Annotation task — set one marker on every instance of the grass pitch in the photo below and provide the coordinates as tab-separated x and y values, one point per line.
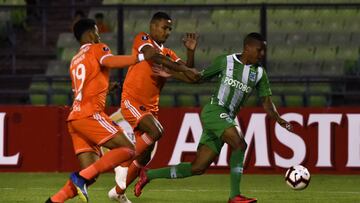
36	187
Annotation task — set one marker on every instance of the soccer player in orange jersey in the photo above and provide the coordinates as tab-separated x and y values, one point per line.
141	92
87	123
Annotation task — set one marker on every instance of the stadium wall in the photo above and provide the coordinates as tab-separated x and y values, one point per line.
326	140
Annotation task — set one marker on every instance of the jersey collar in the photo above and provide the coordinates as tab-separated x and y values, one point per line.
156	44
85	45
236	58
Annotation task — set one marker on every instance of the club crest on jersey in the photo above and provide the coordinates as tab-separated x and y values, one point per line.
142	108
226	117
252	76
106	49
144	37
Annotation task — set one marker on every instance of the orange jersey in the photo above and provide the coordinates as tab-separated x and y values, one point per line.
140	83
90	80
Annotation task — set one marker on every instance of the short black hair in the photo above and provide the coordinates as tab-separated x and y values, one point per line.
253	36
82	26
160	15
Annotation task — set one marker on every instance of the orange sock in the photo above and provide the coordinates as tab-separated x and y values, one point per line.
66	192
110	160
133	172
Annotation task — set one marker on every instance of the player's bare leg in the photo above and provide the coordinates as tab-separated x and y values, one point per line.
235	139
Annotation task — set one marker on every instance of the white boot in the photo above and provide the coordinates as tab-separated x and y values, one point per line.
116	197
120	176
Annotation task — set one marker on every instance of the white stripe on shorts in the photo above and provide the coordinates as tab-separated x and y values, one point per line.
132	109
105	124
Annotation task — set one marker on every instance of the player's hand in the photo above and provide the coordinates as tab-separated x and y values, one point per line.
161	71
190	41
192	74
285	124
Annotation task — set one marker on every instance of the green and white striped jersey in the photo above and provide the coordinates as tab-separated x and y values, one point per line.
235	82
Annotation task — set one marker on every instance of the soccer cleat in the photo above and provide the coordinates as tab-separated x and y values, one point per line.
113	195
81	187
120	176
49	200
143	180
242	199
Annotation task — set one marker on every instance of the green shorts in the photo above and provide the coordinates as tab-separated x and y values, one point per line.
215	119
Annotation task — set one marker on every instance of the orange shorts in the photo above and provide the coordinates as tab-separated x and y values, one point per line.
134	111
88	134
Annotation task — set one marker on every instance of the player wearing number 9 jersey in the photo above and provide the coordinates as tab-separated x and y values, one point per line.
88	125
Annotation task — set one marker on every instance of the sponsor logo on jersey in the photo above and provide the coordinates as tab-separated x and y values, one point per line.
224	115
144	37
252	76
237	84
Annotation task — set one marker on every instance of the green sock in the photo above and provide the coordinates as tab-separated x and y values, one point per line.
181	170
236	170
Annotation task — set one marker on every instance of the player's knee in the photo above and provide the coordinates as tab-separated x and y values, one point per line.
242	145
131	148
198	170
128	144
158	133
144	159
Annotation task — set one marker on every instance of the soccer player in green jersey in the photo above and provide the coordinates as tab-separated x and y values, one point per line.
238	75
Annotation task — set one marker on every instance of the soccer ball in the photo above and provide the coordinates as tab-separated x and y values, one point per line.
297	177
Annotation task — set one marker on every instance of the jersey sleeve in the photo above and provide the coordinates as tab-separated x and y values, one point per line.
214	69
141	40
101	51
263	85
171	54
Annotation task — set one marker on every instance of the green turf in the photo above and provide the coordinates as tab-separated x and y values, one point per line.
36	187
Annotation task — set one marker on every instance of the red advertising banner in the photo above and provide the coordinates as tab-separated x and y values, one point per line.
325	140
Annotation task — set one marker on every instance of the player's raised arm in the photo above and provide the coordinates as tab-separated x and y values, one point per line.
190	43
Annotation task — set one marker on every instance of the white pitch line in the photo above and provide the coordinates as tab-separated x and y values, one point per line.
193	190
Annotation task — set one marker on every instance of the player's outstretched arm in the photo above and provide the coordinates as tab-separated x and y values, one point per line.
270	109
123	61
119	61
182	76
164	60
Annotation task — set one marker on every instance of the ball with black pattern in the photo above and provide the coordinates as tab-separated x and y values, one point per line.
297	177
